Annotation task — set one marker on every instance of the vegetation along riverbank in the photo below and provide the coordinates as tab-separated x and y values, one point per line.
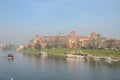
61	51
92	45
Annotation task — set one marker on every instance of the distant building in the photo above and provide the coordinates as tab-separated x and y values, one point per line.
72	42
93	40
20	47
83	40
3	46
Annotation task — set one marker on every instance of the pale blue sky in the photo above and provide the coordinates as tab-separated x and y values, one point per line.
20	20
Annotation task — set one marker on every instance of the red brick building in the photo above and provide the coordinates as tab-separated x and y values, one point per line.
70	41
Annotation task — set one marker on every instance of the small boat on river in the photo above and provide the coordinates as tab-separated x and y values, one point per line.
10	57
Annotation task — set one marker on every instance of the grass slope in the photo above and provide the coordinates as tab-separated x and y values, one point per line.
61	51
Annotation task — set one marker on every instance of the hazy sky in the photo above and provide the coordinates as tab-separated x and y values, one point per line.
21	20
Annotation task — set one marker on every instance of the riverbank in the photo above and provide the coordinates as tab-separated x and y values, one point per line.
61	51
54	51
103	52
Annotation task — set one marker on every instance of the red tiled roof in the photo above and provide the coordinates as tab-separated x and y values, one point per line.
83	37
72	31
37	36
44	37
53	36
62	36
117	40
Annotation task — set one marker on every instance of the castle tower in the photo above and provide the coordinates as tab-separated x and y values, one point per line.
93	36
37	39
73	36
72	40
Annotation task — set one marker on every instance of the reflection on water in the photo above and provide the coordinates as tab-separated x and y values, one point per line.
36	67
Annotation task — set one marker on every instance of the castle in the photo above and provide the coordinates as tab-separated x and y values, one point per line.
68	41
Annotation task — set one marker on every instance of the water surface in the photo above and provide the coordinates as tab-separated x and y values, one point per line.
36	67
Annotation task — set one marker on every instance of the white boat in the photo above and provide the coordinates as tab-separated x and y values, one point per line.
96	57
115	59
74	56
44	53
110	59
80	56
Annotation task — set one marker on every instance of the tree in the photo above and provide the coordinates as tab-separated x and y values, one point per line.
109	43
95	41
37	46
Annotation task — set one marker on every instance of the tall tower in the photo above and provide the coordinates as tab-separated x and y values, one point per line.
37	39
72	40
93	36
73	35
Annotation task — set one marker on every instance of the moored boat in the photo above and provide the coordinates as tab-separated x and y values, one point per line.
96	57
75	56
113	58
44	53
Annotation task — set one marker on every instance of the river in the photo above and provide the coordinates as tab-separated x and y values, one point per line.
36	67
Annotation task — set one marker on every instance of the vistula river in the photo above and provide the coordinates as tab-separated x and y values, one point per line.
36	67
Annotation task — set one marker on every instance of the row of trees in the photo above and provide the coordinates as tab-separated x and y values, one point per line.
102	43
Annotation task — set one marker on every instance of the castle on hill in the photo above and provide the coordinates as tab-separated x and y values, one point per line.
65	41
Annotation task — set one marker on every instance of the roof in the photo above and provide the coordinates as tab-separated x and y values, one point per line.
83	37
37	35
53	36
72	31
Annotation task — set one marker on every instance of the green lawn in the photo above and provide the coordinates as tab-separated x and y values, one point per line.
103	53
61	51
30	50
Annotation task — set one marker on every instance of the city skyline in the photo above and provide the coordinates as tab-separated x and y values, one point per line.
21	20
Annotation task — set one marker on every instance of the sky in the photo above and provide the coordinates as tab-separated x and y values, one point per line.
21	20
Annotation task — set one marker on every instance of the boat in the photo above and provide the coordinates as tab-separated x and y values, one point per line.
80	56
96	57
44	53
113	58
10	57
